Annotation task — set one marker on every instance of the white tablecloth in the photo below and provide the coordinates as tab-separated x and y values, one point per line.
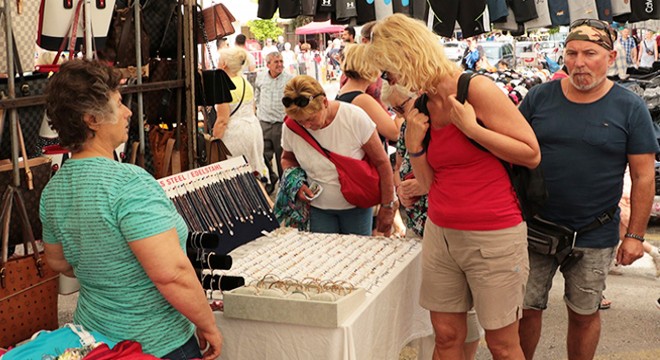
387	320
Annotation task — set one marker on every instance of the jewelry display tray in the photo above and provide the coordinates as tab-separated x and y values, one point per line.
293	311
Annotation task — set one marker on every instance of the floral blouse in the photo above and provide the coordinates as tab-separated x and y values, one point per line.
416	214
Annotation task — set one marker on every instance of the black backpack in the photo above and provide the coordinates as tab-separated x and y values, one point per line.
528	183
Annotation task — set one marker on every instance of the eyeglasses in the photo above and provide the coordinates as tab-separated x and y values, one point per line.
596	24
301	101
401	108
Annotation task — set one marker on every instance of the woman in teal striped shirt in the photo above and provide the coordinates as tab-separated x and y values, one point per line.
111	225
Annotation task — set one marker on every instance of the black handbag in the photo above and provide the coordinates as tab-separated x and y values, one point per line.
30	116
213	87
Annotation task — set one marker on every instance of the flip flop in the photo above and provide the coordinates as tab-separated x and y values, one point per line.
604	304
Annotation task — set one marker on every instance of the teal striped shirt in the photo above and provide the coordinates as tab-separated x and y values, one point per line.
94	207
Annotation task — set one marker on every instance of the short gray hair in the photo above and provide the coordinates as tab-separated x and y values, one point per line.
271	56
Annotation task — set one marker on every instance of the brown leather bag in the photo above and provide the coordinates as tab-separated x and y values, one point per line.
120	46
34	175
168	158
216	150
28	286
217	23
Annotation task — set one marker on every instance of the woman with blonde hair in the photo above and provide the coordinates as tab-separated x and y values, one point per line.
475	240
361	72
237	125
344	129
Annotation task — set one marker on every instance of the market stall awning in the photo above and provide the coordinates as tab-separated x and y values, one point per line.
319	28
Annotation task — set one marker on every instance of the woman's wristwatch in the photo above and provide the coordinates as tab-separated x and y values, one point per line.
390	205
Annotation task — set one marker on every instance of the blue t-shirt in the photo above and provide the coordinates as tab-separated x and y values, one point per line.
584	150
94	207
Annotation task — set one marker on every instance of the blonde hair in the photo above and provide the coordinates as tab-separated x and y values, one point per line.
233	58
304	85
407	48
356	64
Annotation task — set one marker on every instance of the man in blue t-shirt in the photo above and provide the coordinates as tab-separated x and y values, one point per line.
589	129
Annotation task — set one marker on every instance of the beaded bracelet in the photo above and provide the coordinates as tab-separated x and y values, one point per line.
634	236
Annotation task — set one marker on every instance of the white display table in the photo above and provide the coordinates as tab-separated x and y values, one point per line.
379	328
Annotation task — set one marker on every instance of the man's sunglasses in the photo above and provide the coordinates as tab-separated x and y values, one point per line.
301	101
596	24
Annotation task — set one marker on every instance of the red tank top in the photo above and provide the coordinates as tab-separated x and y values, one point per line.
471	189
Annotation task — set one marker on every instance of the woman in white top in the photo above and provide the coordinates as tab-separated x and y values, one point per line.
648	51
344	129
237	125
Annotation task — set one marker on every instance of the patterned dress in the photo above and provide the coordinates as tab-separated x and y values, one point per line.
416	214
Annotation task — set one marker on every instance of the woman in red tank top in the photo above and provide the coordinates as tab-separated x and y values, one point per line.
475	241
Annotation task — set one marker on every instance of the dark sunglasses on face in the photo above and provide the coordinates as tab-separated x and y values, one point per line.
596	24
400	109
385	76
301	101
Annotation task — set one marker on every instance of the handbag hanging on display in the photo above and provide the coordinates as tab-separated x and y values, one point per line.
32	116
120	47
28	286
156	14
358	179
211	86
55	17
161	104
24	27
217	22
167	160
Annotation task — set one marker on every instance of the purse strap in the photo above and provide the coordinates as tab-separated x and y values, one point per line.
242	97
303	133
70	35
205	36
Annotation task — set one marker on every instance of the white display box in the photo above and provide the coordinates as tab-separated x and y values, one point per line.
293	311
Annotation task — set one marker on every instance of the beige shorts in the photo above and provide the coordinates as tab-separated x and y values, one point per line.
486	270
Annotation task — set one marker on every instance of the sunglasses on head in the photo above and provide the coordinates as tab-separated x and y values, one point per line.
596	24
301	101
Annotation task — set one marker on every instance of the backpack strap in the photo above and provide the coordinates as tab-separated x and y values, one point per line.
463	86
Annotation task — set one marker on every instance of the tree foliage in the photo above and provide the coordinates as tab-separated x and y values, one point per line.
265	29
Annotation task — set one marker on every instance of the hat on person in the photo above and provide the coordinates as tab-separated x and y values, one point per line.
592	30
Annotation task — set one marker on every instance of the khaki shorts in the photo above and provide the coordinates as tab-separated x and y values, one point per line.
484	269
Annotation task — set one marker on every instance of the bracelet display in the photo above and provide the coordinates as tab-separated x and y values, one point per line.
417	154
635	236
296	257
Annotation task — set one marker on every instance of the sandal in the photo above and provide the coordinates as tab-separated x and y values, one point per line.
604	304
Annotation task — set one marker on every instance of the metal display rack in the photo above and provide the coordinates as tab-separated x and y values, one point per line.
11	103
